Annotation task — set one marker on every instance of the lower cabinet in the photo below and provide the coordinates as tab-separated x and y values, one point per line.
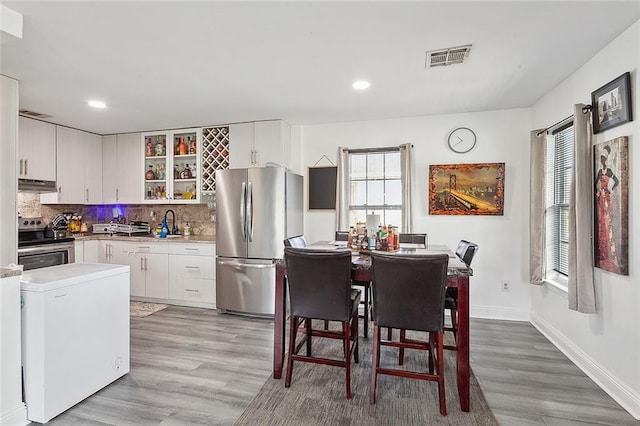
192	274
149	269
110	251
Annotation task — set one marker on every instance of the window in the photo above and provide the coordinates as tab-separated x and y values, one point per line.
558	175
375	186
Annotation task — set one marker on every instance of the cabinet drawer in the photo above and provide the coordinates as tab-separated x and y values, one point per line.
192	249
143	247
193	290
192	267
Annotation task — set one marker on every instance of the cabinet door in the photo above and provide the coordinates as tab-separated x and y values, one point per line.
36	149
91	250
92	161
110	252
157	275
70	168
155	167
127	172
110	169
137	273
271	143
241	147
78	248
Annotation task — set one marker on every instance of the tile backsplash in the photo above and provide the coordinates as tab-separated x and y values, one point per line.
198	216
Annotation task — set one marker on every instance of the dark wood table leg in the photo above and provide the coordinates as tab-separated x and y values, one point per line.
464	370
279	321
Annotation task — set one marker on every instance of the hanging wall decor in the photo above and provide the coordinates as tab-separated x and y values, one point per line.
611	205
466	189
611	104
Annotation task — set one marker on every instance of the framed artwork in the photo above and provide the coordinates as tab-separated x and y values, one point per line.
611	205
611	104
466	189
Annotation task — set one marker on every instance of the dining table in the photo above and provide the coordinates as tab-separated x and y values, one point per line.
458	274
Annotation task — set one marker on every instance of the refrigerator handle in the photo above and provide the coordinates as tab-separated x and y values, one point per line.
250	212
243	205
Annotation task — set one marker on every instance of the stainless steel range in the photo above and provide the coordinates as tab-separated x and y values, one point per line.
40	246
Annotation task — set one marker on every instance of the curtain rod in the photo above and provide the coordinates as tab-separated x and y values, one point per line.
585	109
374	150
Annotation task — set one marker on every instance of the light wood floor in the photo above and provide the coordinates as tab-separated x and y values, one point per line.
193	366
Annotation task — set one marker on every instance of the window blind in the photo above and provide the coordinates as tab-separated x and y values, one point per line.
559	161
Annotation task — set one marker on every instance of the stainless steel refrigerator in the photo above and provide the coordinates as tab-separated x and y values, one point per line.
257	209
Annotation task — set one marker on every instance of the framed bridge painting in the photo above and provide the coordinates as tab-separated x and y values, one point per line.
466	189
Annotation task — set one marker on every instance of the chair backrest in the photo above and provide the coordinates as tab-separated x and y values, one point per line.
342	236
466	251
409	290
413	238
319	283
297	241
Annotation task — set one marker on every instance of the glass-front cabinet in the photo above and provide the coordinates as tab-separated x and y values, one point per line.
171	166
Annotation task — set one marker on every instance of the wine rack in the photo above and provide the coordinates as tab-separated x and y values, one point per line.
215	156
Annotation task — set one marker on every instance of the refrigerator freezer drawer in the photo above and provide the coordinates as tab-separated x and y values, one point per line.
245	286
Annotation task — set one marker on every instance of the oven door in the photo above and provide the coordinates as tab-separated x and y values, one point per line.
42	256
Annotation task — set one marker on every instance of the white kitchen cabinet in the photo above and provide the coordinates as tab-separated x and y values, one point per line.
214	156
171	166
79	168
78	251
149	269
192	274
91	250
259	143
120	168
36	149
110	251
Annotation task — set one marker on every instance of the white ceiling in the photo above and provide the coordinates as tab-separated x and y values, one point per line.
161	65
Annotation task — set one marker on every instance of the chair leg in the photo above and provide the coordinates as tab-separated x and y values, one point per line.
366	312
432	342
307	325
293	325
326	324
403	336
354	336
375	363
346	330
454	322
441	391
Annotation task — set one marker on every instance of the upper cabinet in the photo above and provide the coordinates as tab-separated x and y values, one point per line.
257	144
79	168
36	149
171	166
121	159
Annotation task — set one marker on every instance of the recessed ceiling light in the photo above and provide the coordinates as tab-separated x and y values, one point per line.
361	85
97	104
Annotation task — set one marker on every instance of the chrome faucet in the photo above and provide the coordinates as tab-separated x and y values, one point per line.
174	228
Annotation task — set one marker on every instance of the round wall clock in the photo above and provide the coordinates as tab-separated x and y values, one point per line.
462	140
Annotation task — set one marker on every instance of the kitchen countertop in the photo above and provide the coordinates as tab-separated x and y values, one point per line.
10	272
202	239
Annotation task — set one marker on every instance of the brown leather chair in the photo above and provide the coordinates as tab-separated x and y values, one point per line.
320	288
465	252
408	293
413	238
297	241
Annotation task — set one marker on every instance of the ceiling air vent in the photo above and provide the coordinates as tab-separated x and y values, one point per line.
33	114
452	55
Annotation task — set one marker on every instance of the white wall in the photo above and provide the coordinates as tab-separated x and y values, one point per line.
503	136
606	345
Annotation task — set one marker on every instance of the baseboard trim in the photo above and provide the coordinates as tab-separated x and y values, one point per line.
15	417
502	313
618	390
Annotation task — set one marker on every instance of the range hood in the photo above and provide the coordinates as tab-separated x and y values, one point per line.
35	185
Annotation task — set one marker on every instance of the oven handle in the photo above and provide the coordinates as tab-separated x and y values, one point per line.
47	248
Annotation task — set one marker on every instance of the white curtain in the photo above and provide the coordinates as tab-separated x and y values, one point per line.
342	190
581	288
536	207
406	171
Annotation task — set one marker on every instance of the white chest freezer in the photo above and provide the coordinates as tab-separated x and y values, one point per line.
75	334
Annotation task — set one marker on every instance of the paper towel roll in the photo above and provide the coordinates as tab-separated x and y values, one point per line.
373	221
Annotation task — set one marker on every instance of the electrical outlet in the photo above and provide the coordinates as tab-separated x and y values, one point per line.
505	286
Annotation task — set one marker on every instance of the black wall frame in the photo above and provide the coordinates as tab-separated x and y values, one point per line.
322	188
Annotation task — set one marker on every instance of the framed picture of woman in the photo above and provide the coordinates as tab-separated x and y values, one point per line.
611	205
